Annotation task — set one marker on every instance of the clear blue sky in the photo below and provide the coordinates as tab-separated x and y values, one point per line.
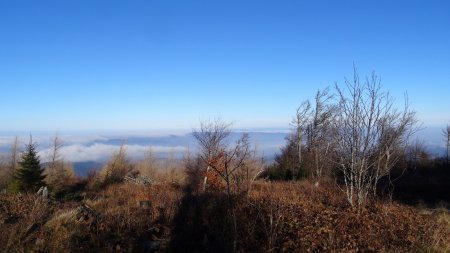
78	65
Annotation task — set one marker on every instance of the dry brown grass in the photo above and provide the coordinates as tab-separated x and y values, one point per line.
21	217
119	221
319	219
274	217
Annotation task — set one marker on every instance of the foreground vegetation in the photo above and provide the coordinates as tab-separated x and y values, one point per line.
278	217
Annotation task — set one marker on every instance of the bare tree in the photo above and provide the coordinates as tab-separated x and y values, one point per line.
212	139
252	168
319	132
367	132
300	122
223	158
395	128
55	156
59	173
312	122
446	134
216	152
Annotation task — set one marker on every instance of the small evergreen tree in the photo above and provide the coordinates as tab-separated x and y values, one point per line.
30	175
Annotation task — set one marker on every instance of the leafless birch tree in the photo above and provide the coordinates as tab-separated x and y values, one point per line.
312	122
300	122
319	132
367	132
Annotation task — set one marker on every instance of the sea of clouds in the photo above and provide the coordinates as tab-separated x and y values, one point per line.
99	148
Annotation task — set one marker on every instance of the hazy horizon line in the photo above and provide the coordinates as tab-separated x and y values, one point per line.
138	130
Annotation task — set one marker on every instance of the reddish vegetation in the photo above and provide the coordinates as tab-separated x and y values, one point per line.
214	181
278	217
319	219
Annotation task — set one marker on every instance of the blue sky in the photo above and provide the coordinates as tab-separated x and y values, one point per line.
118	65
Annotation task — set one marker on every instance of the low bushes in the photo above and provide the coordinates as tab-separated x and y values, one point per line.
275	217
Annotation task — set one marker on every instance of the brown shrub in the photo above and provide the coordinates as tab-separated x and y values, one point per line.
276	217
111	220
319	219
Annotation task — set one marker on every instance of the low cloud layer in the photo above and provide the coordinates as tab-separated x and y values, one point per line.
100	147
102	152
